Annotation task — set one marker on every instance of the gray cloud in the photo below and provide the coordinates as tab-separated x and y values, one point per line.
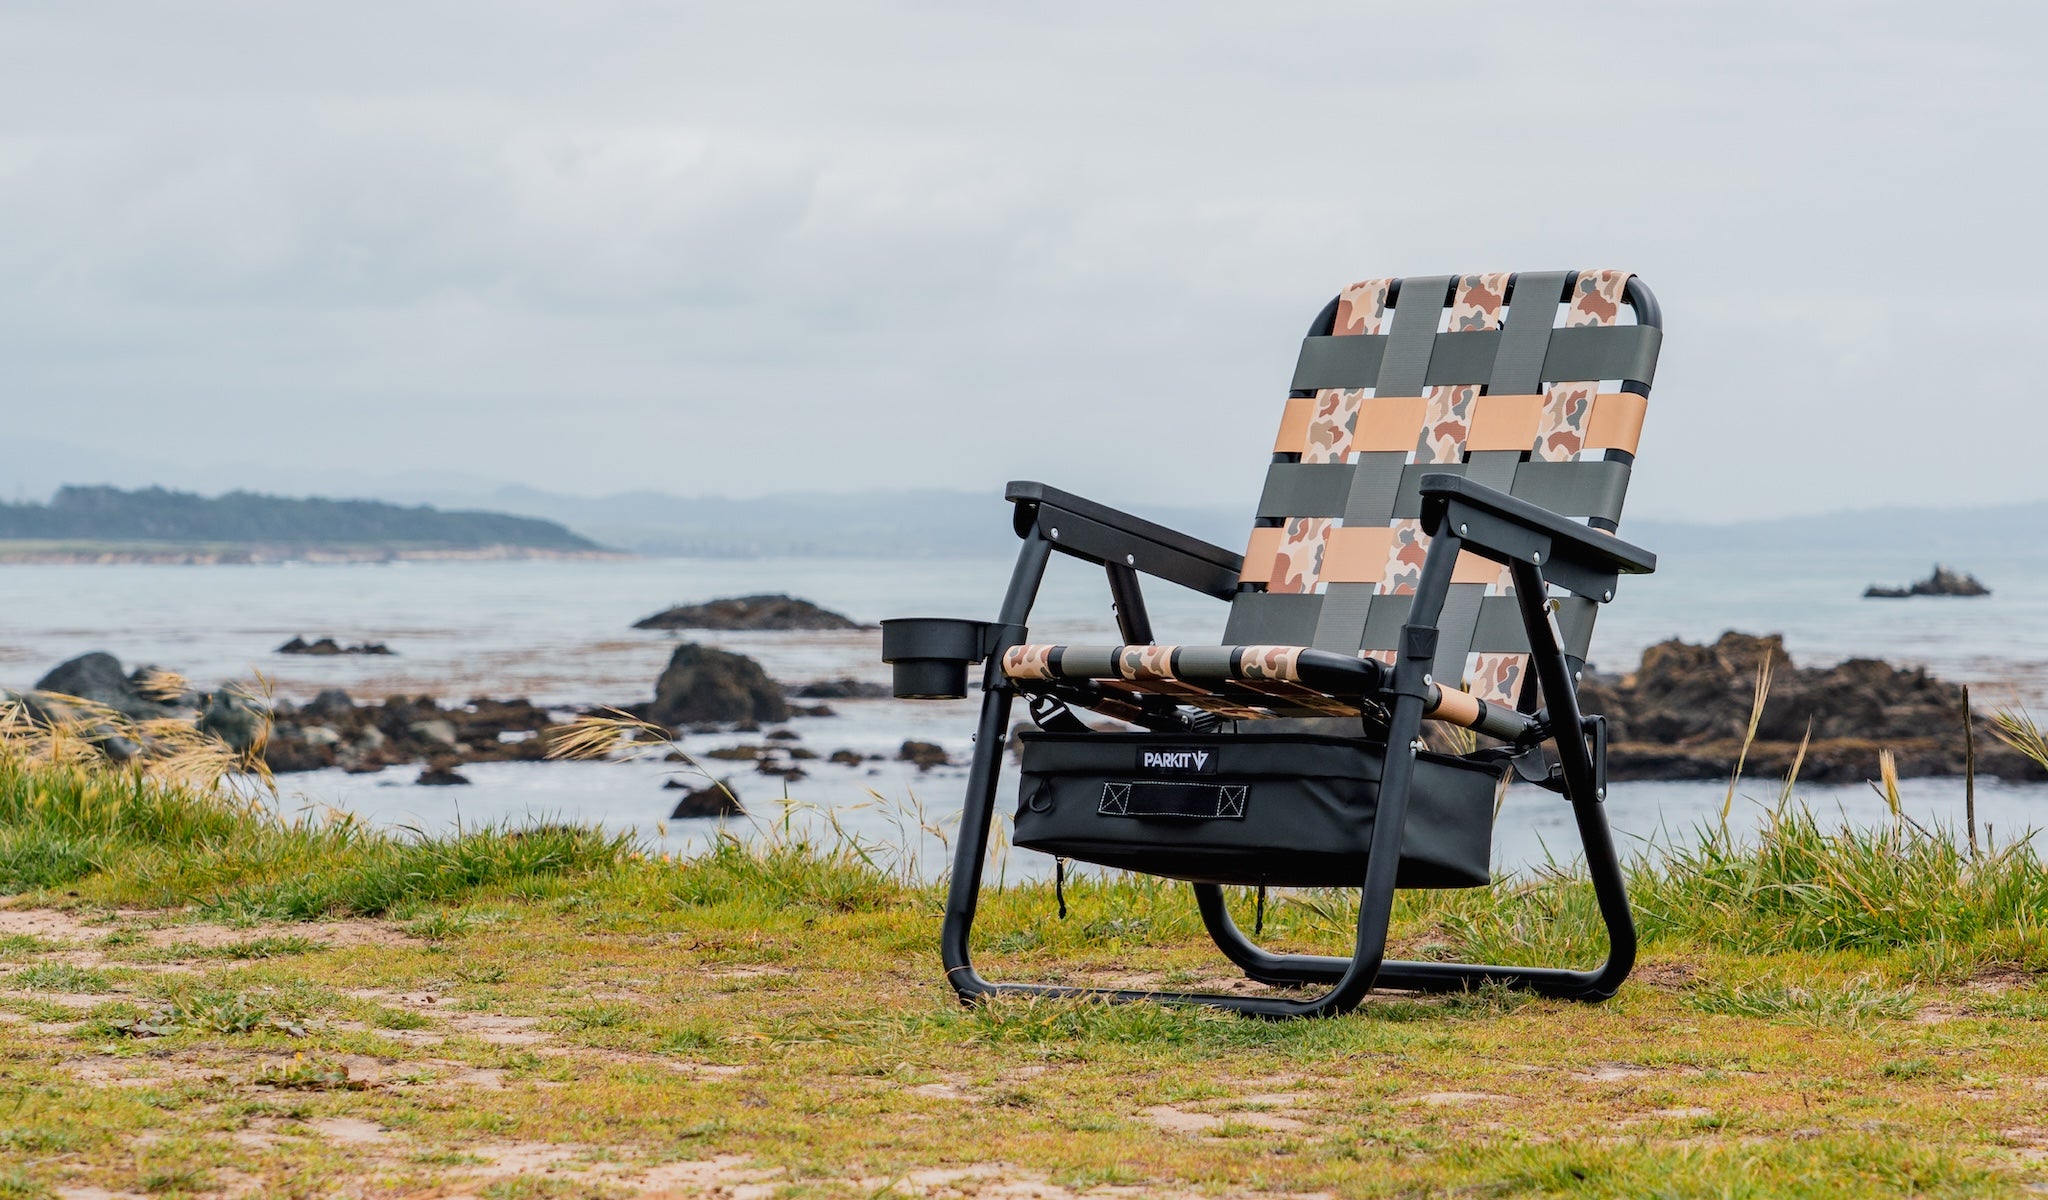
743	248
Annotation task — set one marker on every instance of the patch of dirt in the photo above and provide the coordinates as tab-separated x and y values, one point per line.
1670	975
484	1027
1444	1099
2000	977
726	1176
1175	1119
151	1070
77	1000
1612	1072
349	1131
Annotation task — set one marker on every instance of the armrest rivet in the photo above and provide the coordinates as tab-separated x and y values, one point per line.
1055	533
1536	556
1607	595
1427	679
1130	560
1461	529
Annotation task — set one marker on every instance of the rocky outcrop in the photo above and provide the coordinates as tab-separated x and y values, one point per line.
841	689
145	694
924	755
707	686
1683	714
113	707
776	612
713	800
327	645
1943	582
332	730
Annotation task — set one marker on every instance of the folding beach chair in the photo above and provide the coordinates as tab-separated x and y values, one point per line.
1440	509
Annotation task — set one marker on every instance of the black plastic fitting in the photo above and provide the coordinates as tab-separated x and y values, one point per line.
930	655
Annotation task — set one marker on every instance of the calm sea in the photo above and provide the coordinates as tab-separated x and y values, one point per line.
560	633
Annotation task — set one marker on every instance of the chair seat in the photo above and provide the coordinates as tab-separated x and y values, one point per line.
1241	682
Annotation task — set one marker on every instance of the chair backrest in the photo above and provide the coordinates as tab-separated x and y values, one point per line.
1525	382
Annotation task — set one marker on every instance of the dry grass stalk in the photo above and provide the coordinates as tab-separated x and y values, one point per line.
1756	717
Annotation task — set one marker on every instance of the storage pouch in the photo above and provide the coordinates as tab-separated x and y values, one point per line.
1287	810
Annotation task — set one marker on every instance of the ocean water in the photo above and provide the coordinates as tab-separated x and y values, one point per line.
560	633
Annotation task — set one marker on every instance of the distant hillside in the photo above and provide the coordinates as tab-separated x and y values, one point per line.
105	514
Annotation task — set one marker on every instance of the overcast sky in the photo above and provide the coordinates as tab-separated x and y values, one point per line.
751	247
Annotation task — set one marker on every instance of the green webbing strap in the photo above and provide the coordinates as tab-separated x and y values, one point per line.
1496	627
1343	616
1603	352
1525	340
1306	490
1404	369
1574	489
1375	488
1272	619
1573	356
1325	360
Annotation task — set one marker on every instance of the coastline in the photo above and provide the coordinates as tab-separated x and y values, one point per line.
238	554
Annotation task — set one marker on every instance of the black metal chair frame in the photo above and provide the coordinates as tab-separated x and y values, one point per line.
1540	549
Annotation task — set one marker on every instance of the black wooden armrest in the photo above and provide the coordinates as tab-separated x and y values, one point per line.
1099	534
1500	527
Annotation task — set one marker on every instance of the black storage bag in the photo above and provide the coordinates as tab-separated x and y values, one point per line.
1286	810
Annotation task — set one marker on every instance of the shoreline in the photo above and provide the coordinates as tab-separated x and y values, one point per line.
212	554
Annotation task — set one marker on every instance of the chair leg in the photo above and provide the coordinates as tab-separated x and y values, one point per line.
1588	808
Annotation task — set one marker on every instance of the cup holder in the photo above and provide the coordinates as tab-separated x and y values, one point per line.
931	654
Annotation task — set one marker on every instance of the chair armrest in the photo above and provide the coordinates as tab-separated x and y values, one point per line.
1500	527
1099	534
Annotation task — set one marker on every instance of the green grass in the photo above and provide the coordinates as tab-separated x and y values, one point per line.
1817	1014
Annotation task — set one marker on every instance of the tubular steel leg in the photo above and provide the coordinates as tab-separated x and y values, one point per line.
1609	887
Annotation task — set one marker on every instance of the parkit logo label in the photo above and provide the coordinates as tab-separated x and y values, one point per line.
1189	762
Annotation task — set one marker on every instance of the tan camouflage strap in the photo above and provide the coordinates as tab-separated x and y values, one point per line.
1596	300
1298	553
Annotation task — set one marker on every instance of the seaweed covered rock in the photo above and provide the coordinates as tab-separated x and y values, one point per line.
707	686
775	612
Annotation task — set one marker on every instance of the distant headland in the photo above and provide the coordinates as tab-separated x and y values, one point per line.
156	525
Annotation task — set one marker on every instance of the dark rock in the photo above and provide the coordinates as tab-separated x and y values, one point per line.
749	612
799	754
703	684
716	800
842	689
1943	582
811	710
233	717
734	753
327	646
330	703
925	754
784	735
97	678
849	758
779	768
1685	710
441	772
